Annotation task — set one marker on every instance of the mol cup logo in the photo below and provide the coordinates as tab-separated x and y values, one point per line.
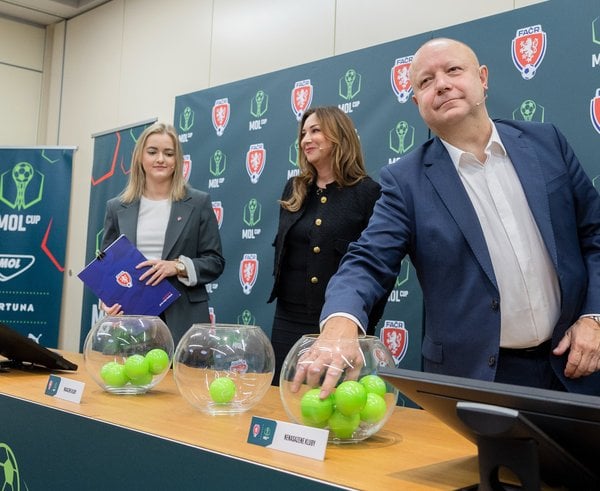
528	50
186	119
595	110
349	84
255	161
124	279
395	338
220	115
22	186
302	95
218	209
187	167
248	272
399	78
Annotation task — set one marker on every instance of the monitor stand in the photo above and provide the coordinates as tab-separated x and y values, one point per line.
507	439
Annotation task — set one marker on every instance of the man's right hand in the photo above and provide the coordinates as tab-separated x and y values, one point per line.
335	351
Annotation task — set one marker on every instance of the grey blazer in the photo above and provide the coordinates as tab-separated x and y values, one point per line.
192	231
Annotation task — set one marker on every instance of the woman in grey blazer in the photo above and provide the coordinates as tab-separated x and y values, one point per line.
172	224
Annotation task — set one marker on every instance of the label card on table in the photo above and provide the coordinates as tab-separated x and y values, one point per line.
288	437
64	388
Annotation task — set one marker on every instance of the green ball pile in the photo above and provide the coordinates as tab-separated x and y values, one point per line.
343	411
137	369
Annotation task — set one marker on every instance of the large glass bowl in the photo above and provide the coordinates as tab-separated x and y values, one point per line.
128	354
223	368
361	403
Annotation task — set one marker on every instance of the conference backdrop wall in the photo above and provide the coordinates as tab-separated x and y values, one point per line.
240	145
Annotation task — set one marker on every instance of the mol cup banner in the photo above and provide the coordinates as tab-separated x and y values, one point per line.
240	139
110	171
35	191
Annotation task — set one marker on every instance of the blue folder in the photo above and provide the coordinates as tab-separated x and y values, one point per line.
113	278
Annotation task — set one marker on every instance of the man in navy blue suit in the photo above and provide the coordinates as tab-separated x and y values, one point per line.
503	228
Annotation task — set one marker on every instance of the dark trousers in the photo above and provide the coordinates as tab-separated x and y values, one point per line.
289	324
530	367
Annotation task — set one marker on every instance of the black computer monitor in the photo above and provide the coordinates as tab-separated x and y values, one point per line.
541	435
24	353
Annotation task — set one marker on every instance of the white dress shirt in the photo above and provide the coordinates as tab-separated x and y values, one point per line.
526	278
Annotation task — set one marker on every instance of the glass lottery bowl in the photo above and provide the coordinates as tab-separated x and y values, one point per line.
360	404
128	354
223	368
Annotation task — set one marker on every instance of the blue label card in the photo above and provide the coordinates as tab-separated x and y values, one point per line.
288	437
64	388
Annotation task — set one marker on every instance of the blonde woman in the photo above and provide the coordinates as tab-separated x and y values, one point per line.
171	223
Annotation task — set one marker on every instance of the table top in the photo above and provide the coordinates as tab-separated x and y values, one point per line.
412	451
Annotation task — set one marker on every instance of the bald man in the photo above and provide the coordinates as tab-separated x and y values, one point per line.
503	228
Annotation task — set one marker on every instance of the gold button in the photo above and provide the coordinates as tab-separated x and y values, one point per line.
314	280
323	199
316	249
318	222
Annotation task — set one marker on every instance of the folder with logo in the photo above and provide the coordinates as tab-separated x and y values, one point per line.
113	278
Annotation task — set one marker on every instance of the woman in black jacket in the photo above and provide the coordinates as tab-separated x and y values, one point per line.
323	209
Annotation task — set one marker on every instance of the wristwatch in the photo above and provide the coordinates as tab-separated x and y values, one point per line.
180	267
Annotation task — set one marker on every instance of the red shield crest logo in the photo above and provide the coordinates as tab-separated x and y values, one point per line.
220	115
302	95
528	50
239	366
395	338
255	161
187	167
595	111
248	272
218	209
399	78
124	279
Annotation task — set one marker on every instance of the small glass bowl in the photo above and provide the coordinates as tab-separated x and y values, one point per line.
360	404
128	354
223	368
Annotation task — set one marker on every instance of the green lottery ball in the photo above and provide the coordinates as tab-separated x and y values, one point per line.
222	390
144	379
158	360
374	384
316	411
113	374
374	409
136	366
350	397
343	426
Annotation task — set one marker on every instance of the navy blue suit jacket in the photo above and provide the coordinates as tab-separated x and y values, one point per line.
425	212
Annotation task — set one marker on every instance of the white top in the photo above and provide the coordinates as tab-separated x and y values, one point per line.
527	281
152	226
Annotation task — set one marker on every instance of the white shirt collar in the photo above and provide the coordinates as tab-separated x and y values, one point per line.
494	145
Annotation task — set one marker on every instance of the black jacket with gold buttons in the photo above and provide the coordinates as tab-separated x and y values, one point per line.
342	214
